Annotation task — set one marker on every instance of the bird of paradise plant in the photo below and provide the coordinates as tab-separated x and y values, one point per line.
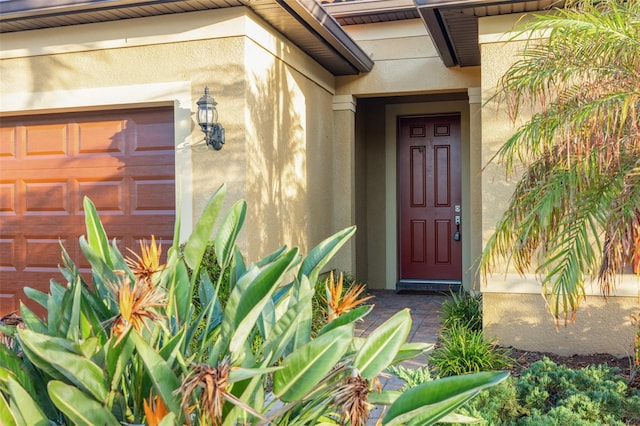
338	301
146	264
137	304
125	350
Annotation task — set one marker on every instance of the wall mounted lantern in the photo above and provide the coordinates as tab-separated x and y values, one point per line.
208	121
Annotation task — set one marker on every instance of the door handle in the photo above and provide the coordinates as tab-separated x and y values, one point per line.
456	235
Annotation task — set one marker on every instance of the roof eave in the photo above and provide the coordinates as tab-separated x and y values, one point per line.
324	33
328	29
432	21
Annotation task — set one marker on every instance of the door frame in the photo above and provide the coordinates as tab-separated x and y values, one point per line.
392	112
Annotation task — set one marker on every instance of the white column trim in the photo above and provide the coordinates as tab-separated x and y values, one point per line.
475	95
344	103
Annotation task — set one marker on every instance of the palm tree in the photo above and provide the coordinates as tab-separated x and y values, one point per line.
575	211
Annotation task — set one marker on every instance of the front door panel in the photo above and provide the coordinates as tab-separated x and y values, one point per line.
430	198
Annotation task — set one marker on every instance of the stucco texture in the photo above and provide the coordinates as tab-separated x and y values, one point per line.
274	102
288	154
523	321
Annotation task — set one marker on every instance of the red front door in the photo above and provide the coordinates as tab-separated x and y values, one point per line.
430	198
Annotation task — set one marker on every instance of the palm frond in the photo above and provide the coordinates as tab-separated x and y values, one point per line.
575	212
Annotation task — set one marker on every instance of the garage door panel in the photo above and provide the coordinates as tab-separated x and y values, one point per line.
106	195
149	196
153	137
122	160
43	253
46	197
8	300
104	137
7	142
8	198
51	140
8	261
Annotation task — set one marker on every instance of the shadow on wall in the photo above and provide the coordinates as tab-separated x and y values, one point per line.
276	163
524	322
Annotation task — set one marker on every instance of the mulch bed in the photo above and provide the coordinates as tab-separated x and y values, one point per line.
624	365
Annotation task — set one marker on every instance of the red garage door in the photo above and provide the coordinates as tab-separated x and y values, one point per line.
123	160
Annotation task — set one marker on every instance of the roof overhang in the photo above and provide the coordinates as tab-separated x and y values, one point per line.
453	24
303	22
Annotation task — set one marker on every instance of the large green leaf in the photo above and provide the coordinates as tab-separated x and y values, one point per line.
255	295
197	243
31	382
427	403
31	320
102	273
118	356
27	410
382	345
164	380
37	296
238	374
349	317
180	290
6	416
13	365
96	236
284	330
385	397
78	406
73	327
172	345
310	363
301	290
51	353
228	233
323	252
411	350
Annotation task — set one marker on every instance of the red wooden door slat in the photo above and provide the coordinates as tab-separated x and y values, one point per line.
429	190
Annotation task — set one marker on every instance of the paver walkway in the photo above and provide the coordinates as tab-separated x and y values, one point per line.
425	314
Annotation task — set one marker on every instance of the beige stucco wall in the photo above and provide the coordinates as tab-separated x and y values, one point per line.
415	68
523	321
289	152
274	101
404	81
515	313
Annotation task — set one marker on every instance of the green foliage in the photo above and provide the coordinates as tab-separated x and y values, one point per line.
210	265
462	351
576	207
464	309
551	394
411	376
206	339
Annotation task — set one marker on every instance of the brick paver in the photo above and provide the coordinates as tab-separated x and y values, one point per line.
425	315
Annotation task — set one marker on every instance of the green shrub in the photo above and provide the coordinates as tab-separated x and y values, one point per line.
411	376
210	265
551	394
496	406
463	350
463	308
